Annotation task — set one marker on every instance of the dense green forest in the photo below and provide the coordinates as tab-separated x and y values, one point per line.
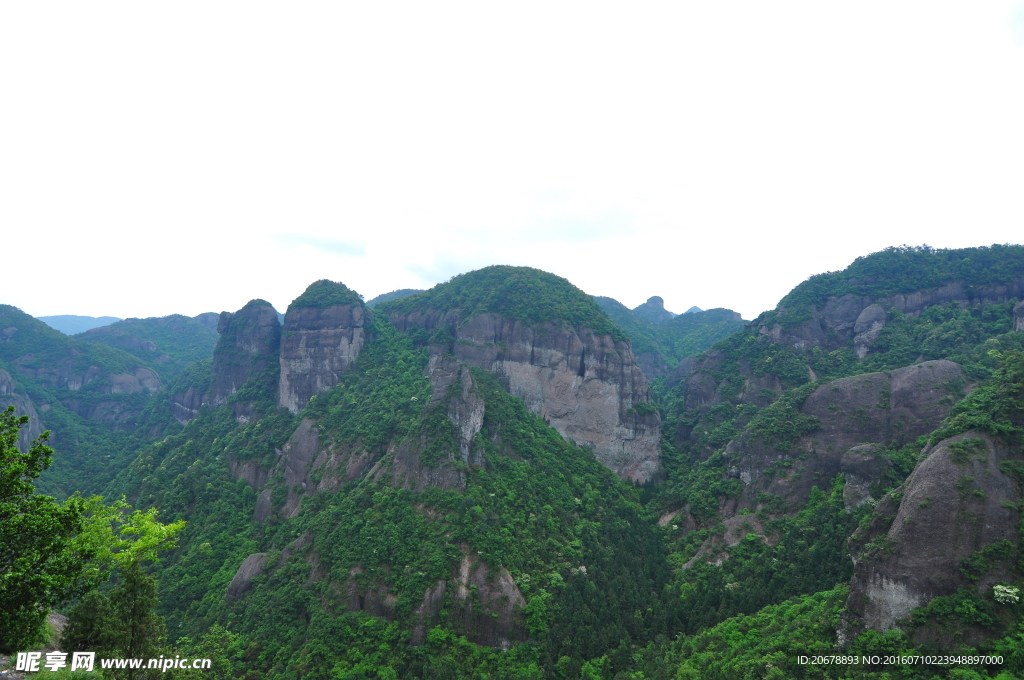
165	344
417	520
521	293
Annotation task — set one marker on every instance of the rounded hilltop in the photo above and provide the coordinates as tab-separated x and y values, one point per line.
525	294
326	293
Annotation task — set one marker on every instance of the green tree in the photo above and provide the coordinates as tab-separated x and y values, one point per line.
123	623
42	564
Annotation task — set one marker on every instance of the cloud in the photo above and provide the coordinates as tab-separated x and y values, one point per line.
327	245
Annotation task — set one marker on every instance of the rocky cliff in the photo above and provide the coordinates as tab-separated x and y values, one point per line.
23	406
850	422
248	347
961	500
586	386
324	330
953	527
860	318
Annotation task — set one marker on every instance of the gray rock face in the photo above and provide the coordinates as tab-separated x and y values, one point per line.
496	617
23	406
185	405
877	408
64	374
585	386
840	318
318	346
248	345
300	450
956	502
862	466
1018	317
867	328
250	568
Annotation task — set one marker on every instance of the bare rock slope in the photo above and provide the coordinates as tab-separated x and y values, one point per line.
586	386
957	502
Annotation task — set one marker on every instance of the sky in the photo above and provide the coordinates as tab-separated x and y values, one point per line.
185	157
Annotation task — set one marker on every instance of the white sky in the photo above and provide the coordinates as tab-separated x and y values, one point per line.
188	156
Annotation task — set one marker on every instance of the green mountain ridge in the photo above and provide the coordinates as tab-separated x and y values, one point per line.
422	517
662	345
166	344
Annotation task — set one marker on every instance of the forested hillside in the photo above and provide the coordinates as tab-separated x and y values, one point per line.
502	477
661	339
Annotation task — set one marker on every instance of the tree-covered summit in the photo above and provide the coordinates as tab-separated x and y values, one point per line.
529	295
905	269
326	293
393	295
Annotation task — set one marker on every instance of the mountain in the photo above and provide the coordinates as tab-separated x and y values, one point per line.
91	396
478	480
553	347
854	378
393	295
653	311
166	344
660	345
70	324
420	485
96	391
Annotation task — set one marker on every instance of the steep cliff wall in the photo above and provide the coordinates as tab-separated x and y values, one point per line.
23	406
248	346
586	386
958	501
318	346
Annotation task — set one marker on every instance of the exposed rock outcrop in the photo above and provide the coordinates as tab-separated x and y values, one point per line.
857	317
1018	317
958	501
248	346
299	452
487	606
586	386
877	408
67	374
318	346
23	406
250	568
185	405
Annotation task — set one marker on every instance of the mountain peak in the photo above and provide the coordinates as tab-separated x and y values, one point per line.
653	310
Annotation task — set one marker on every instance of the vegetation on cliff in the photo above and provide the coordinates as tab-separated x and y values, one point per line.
615	581
529	295
393	295
325	293
906	269
164	344
674	339
570	533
